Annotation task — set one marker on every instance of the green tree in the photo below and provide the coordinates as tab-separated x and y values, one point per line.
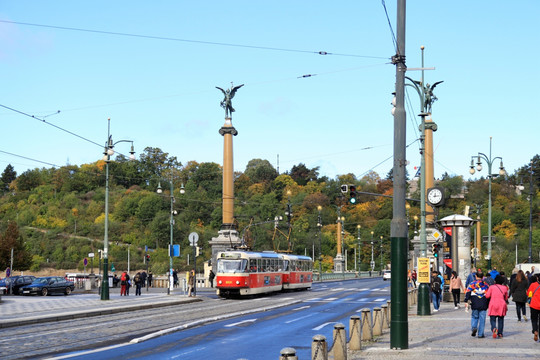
260	171
7	177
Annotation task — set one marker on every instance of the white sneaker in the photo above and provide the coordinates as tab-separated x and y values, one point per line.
455	307
435	310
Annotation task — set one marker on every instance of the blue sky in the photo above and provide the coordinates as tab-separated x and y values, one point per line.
159	88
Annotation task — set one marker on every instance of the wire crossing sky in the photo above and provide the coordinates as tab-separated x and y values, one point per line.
318	81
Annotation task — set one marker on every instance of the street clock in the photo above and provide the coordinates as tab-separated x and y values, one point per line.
435	196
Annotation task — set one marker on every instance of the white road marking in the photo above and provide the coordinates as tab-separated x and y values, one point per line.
323	325
241	322
300	318
302	307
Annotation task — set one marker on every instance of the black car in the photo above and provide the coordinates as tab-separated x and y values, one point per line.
14	283
48	285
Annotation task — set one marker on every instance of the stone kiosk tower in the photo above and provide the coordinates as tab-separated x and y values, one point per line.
228	234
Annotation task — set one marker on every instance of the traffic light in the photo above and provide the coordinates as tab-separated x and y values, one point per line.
147	258
352	194
435	249
344	189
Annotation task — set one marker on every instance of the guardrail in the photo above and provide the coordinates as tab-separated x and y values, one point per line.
345	275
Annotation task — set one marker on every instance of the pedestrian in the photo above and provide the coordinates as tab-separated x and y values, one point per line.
128	285
191	283
414	277
498	299
211	277
138	283
455	288
175	278
470	278
476	295
518	290
435	291
489	280
534	304
493	273
144	276
513	276
530	276
150	277
124	278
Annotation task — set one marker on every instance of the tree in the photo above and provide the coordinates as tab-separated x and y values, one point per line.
7	177
302	175
260	171
11	239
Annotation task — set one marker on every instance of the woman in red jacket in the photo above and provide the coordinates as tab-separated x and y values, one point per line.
535	303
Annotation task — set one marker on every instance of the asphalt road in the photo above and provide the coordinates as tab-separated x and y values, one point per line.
261	328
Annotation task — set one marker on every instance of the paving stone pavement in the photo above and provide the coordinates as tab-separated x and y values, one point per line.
446	334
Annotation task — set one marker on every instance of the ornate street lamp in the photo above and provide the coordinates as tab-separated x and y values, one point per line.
489	161
108	152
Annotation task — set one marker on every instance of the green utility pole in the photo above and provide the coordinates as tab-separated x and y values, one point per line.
399	329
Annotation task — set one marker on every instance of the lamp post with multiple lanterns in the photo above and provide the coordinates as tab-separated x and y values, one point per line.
171	221
108	152
489	161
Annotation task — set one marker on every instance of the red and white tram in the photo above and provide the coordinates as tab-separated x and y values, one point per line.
249	273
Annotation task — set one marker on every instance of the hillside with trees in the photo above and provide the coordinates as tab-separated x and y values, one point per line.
54	217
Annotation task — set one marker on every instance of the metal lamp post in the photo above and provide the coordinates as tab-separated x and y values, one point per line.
381	255
489	161
171	222
319	226
358	227
372	259
109	145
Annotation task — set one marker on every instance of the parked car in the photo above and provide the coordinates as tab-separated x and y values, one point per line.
387	274
48	285
14	283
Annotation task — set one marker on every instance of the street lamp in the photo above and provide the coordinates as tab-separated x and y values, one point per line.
108	152
171	221
289	214
372	259
381	255
489	161
358	227
319	226
530	198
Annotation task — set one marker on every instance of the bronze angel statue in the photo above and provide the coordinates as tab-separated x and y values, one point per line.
227	100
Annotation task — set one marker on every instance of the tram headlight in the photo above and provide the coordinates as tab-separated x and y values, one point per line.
237	282
220	282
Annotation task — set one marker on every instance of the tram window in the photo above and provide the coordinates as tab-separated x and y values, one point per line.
227	266
285	265
253	265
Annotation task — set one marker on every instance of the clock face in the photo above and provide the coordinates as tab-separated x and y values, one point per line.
435	196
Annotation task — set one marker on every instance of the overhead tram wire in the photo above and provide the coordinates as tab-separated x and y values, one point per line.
165	38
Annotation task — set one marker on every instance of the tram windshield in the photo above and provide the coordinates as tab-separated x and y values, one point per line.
231	266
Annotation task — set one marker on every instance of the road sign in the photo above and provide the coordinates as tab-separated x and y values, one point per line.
193	238
91	255
85	261
113	269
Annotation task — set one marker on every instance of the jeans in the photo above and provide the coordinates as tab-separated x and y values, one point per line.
493	321
436	298
535	318
478	321
521	309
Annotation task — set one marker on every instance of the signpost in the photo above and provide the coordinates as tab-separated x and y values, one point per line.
193	239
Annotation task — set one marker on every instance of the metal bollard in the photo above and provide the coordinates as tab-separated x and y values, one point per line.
339	346
367	327
377	321
288	354
319	348
385	318
355	337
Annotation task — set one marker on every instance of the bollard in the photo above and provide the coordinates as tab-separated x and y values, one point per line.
340	342
389	309
414	297
355	337
367	327
288	354
377	321
385	318
319	348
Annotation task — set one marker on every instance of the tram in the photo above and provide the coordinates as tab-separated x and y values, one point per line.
243	273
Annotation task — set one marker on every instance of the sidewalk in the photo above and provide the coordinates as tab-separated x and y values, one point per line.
446	334
23	310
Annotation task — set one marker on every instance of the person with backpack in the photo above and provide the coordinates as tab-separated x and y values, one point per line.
475	294
436	287
138	283
124	278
